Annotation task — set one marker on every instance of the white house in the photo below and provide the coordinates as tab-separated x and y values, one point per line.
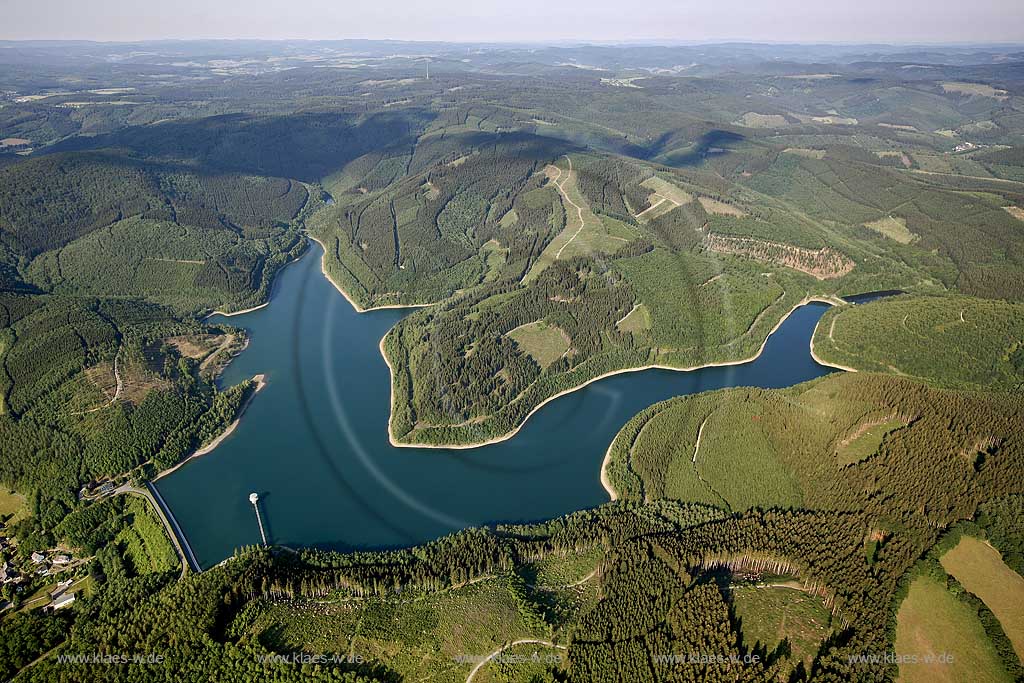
63	601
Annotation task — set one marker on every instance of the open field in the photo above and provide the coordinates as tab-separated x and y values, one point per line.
865	440
637	320
982	89
806	153
770	614
714	206
12	506
543	342
754	120
662	188
584	233
979	568
931	623
894	228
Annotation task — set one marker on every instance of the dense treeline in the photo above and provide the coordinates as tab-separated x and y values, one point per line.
49	201
306	146
25	636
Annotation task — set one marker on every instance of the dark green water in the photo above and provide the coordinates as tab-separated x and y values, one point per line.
314	442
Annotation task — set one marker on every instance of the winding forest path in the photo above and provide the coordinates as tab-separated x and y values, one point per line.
565	196
524	641
228	339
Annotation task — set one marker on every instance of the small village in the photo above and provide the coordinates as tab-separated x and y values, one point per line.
30	578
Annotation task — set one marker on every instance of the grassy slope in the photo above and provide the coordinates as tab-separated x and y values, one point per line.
13	504
145	540
979	568
932	622
949	341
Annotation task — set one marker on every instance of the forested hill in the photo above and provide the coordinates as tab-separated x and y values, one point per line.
971	343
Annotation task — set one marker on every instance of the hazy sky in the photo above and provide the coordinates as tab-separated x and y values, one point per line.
520	20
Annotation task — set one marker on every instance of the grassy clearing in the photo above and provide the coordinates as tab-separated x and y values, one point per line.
665	189
980	569
584	233
543	342
1015	211
893	227
754	120
495	256
865	441
769	615
564	570
835	120
982	89
806	153
721	208
12	504
637	320
931	622
510	218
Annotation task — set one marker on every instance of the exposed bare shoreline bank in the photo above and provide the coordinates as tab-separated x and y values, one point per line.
819	361
352	302
270	296
261	381
653	366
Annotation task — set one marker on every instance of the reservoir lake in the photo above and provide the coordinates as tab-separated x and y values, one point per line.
314	445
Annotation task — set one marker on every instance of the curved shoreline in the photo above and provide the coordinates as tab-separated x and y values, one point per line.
270	296
352	302
605	482
654	366
241	312
819	361
261	381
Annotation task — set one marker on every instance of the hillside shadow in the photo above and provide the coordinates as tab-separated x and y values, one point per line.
306	146
712	143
